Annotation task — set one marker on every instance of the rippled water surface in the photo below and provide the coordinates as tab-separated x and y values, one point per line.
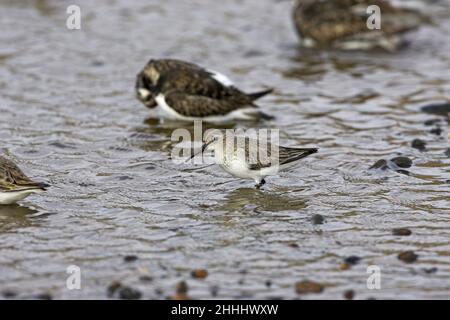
69	117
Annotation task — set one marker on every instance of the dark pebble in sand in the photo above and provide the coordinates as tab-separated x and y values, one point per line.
418	144
268	283
9	294
352	260
130	258
407	256
199	273
214	291
437	131
317	219
432	122
380	164
182	287
401	232
430	270
44	296
127	293
307	286
447	152
402	162
293	245
112	288
145	278
442	109
349	294
122	178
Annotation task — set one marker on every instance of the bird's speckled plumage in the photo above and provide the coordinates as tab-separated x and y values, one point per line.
193	92
14	184
342	24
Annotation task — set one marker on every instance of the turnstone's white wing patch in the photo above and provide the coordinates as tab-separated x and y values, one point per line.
223	79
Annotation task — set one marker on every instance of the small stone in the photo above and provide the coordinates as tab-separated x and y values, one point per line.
407	256
44	296
307	286
317	219
437	131
430	270
199	273
130	258
432	122
344	266
127	293
380	164
447	152
268	283
293	245
418	144
352	260
112	288
182	287
214	291
145	278
349	294
402	162
401	232
442	109
8	294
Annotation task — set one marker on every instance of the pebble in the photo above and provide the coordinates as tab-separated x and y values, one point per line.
402	162
407	256
437	131
130	258
268	283
380	164
442	109
128	293
401	232
418	144
182	287
199	273
430	270
9	294
432	122
349	294
317	219
352	260
307	286
145	278
447	152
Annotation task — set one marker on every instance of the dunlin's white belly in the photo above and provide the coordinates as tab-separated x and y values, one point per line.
14	196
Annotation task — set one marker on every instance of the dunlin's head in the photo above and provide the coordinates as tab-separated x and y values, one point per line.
146	85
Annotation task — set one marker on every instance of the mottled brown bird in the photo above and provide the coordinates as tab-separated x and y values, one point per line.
185	91
14	184
342	24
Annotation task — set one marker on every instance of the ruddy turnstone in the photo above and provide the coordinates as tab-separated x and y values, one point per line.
342	24
185	91
14	184
249	158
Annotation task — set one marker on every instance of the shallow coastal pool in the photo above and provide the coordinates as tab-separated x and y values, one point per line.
69	117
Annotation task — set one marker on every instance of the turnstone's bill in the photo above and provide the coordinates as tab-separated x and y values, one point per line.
249	158
185	91
14	184
342	24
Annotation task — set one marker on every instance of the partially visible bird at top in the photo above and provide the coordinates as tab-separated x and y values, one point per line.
342	24
185	91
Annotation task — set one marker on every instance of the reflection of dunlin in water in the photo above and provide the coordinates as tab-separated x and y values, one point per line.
251	199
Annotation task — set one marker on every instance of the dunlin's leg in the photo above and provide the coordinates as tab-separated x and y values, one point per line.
260	184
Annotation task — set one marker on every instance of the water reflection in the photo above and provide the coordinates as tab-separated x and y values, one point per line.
15	216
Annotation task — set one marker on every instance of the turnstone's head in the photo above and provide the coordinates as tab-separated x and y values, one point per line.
146	84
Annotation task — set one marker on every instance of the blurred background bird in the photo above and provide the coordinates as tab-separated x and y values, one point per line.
342	24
